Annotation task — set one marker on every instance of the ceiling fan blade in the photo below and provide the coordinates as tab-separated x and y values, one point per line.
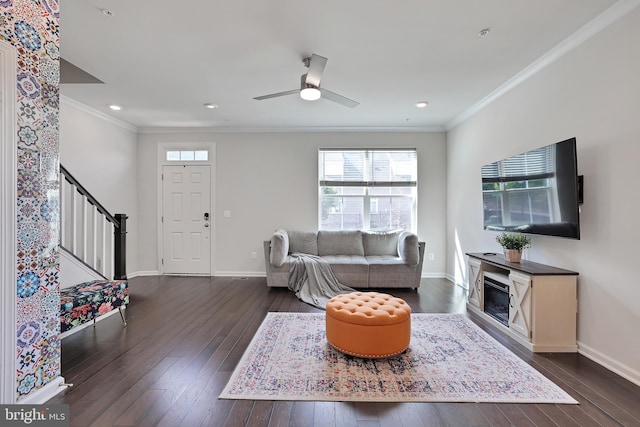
316	68
275	95
332	96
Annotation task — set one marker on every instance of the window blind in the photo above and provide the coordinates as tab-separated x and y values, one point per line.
367	168
534	164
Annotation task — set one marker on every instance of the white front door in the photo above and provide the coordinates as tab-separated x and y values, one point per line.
186	219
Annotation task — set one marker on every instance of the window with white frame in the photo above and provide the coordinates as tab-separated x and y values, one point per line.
187	155
367	189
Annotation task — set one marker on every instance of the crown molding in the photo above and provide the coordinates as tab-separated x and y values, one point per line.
96	113
593	27
292	129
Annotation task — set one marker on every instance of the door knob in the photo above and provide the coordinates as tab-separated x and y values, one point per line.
206	216
206	224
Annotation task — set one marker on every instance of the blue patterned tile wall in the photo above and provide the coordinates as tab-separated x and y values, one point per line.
32	27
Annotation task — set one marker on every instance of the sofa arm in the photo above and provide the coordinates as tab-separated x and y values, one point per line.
279	248
408	248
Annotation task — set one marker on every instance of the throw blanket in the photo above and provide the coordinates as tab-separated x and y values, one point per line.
313	281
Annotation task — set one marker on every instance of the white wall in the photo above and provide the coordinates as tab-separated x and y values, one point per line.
269	181
73	271
591	93
102	155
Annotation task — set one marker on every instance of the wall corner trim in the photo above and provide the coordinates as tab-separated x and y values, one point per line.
8	197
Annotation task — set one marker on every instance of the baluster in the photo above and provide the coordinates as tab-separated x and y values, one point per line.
112	260
103	243
74	221
63	211
83	244
94	237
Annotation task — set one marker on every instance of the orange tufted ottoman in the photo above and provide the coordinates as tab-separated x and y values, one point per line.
368	324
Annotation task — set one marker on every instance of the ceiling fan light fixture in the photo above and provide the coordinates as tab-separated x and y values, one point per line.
310	93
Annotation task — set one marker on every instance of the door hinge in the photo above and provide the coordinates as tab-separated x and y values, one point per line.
162	261
161	177
162	219
530	334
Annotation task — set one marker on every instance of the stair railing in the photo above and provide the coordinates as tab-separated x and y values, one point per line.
89	232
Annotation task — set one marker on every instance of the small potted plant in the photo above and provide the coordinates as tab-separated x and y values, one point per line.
513	244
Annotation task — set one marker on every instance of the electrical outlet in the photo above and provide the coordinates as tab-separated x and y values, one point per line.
254	255
432	256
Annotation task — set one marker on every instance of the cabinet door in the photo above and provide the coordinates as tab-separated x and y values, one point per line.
520	304
475	284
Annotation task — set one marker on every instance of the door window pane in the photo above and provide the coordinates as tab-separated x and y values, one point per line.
187	155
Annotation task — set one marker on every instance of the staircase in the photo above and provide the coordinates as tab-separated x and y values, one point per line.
92	241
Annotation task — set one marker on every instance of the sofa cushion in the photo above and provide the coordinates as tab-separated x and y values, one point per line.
408	248
346	242
304	242
279	248
381	243
350	270
391	272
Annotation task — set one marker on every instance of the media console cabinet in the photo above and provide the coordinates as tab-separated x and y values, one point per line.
535	304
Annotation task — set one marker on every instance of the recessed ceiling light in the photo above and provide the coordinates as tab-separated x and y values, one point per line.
422	104
210	106
484	32
115	107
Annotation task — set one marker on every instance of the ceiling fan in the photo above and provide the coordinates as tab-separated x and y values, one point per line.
310	89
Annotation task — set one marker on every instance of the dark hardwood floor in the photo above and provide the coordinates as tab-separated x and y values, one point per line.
186	334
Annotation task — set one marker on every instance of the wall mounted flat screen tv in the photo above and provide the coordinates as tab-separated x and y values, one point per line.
536	192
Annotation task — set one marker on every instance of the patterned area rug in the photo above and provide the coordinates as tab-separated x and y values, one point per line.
449	359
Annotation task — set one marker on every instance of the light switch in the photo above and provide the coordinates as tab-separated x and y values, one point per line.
227	214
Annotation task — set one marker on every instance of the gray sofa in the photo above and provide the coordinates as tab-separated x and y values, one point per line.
359	259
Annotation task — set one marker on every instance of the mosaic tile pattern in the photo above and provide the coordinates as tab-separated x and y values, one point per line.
32	27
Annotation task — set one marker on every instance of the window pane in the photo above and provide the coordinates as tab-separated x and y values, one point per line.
492	208
527	207
390	213
186	155
384	191
202	155
342	213
347	191
173	155
393	166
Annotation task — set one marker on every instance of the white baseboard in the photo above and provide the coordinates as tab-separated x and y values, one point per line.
240	274
142	273
613	365
433	276
45	393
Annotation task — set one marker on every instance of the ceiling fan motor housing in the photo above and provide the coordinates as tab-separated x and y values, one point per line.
304	84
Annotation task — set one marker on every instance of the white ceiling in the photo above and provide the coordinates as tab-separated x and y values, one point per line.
161	60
